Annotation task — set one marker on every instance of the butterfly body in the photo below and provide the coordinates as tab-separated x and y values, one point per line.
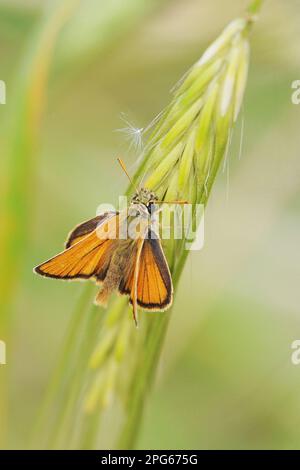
115	272
121	251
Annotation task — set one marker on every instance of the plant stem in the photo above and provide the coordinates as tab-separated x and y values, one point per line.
255	7
148	363
67	357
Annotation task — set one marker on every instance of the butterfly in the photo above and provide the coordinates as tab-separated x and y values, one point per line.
104	250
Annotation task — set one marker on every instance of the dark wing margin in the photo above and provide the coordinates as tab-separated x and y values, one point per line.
83	229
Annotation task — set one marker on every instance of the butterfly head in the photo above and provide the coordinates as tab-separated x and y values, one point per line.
145	197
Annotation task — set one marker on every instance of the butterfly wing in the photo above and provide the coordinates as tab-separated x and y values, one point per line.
154	289
88	257
80	231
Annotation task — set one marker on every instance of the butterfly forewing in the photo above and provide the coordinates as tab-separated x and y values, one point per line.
154	290
83	229
90	256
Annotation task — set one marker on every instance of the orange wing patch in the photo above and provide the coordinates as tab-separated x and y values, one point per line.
154	283
89	257
83	229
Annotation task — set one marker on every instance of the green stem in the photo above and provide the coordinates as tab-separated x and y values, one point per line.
147	364
65	424
255	7
66	358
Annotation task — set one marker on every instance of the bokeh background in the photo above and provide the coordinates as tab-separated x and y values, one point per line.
74	70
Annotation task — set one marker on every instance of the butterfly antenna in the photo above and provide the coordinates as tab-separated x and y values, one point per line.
122	164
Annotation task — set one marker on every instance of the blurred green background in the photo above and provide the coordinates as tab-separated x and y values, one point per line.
225	378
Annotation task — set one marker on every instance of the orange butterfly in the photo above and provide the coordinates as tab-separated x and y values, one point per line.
135	266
